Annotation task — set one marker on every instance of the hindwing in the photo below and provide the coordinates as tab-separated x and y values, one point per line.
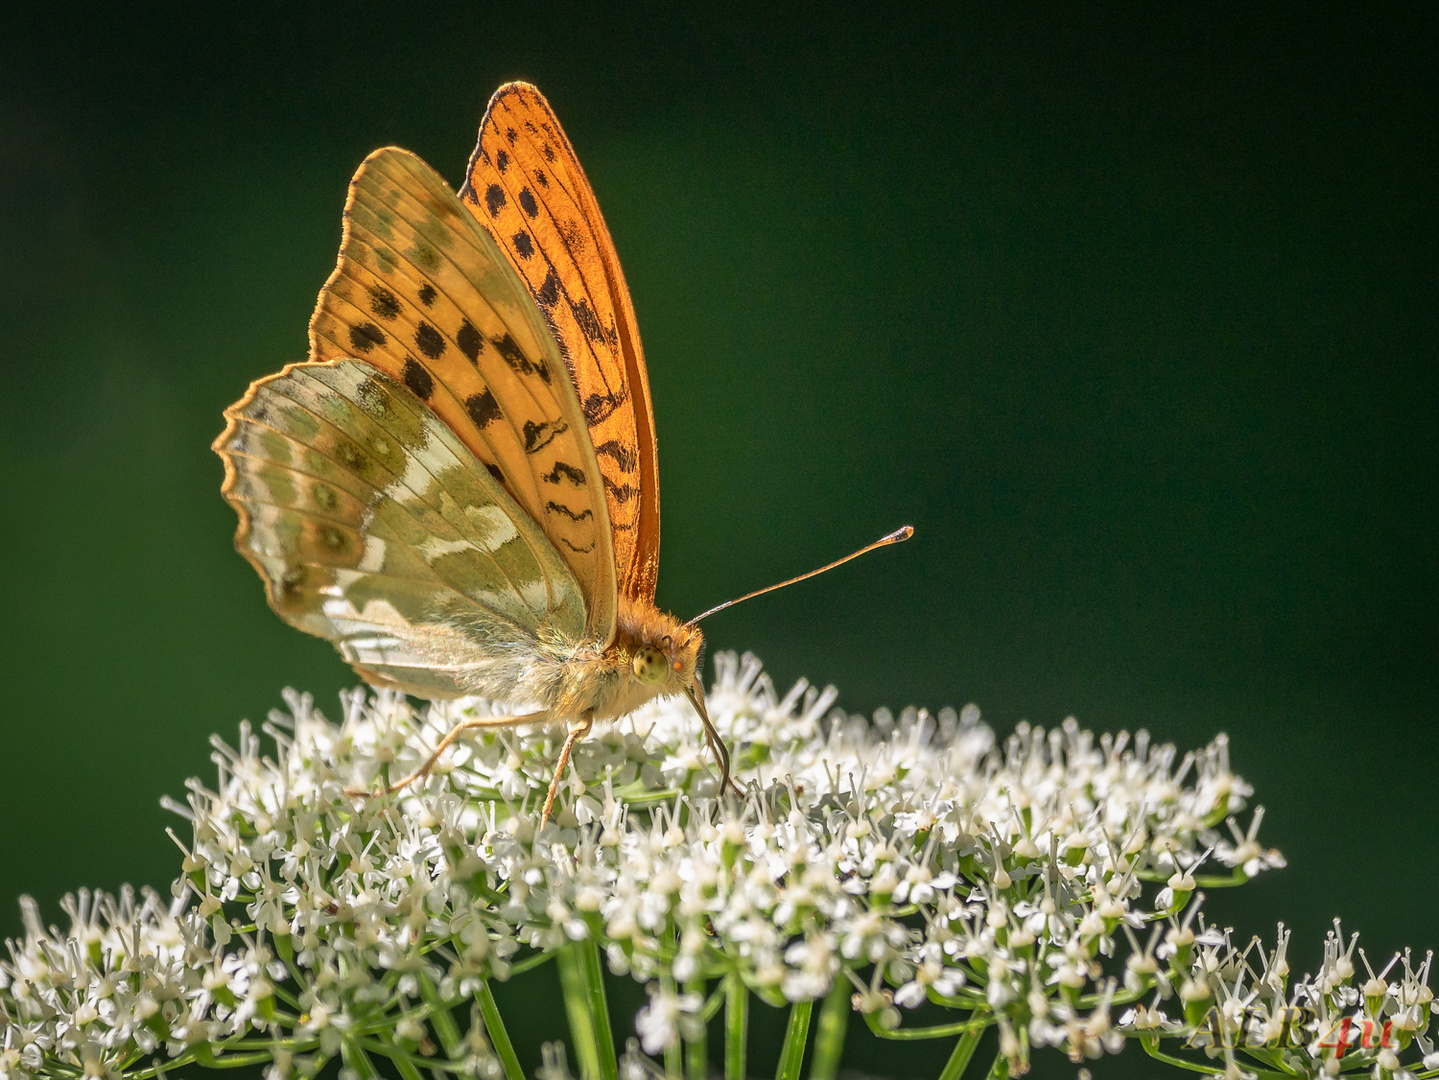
375	527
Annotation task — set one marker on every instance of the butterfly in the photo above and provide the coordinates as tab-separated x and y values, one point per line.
459	488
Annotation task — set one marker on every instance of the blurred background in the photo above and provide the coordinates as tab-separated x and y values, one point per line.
1133	317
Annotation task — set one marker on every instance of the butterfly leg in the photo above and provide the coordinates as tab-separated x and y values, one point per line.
444	744
577	732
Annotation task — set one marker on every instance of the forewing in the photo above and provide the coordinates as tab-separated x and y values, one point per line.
375	527
526	187
422	294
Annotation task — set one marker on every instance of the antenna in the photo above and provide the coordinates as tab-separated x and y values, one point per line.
904	532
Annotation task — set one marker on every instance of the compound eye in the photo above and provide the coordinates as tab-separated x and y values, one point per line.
650	666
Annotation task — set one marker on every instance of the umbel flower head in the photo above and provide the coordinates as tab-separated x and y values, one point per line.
1035	884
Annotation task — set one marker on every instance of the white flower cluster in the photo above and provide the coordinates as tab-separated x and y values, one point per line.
1241	1009
1036	884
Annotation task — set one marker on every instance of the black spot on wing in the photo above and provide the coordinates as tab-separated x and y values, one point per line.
494	199
573	236
528	204
561	471
598	407
560	508
483	408
511	134
521	364
427	294
511	353
469	340
494	471
620	493
549	290
621	455
420	382
538	436
524	246
541	178
588	322
429	341
502	162
548	151
365	337
384	303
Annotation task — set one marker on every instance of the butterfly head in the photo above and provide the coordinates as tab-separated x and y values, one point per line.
660	651
656	655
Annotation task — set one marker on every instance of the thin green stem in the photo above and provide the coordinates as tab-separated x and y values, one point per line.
796	1034
582	979
715	1001
673	1051
529	963
939	1031
190	1057
355	1057
236	1061
499	1037
298	1046
829	1037
440	1018
404	1064
697	1058
736	1027
1270	1057
582	1032
1151	1047
594	972
963	1052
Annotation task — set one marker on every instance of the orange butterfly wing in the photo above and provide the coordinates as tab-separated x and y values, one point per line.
422	293
526	188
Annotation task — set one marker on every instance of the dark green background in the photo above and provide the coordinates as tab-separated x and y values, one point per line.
1133	317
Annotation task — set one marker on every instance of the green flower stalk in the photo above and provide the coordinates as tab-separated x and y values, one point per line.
1047	885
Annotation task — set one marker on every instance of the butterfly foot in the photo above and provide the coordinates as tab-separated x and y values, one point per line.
366	793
